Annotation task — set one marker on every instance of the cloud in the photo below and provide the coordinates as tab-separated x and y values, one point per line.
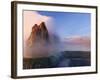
78	43
85	41
33	17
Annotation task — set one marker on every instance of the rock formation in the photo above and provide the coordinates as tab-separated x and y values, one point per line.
39	34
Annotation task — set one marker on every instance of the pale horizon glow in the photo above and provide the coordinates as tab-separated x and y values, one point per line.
77	43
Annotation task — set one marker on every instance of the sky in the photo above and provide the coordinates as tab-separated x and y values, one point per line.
72	28
68	24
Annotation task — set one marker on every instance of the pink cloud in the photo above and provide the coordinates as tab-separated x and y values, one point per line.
83	41
33	17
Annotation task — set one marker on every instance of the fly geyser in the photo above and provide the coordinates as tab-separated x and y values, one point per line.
39	34
39	47
37	44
